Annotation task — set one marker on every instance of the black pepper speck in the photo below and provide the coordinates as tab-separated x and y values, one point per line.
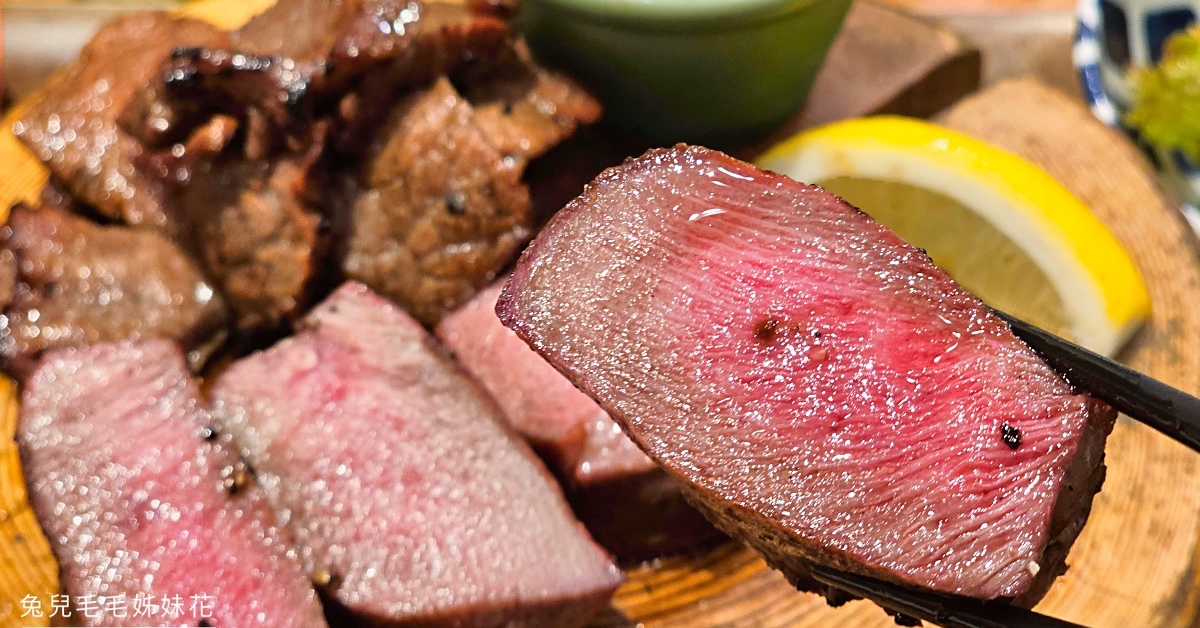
1011	436
456	204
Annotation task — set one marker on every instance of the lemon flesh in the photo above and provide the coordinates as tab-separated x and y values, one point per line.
999	225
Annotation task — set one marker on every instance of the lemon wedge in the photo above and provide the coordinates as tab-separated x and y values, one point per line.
999	225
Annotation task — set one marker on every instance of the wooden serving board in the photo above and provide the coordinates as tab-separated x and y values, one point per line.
1134	565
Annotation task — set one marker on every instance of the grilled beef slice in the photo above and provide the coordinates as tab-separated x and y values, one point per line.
437	211
630	505
139	497
408	497
823	390
73	127
70	282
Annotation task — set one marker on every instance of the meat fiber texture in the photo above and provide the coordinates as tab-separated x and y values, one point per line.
68	282
409	499
139	499
632	507
825	392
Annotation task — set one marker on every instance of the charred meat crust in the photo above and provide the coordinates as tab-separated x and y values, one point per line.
70	282
73	127
254	226
431	224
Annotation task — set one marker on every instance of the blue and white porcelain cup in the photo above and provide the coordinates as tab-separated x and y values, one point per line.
1113	38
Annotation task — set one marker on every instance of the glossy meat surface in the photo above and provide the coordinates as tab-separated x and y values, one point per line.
438	210
826	392
407	495
137	498
627	502
252	225
73	127
74	283
522	108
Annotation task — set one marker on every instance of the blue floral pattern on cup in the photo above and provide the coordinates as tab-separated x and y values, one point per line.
1115	36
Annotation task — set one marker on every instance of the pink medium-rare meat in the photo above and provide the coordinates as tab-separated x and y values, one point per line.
139	497
826	393
630	505
408	497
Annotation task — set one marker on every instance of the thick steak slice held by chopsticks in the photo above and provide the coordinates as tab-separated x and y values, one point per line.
140	498
826	393
632	507
409	499
74	282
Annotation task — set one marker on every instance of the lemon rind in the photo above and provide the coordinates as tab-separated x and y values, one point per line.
1085	263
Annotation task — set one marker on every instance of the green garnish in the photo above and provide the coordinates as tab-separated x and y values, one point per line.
1167	97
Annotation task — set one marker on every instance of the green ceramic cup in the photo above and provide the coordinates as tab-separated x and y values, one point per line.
721	72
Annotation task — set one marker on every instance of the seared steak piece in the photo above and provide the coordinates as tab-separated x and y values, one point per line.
371	50
825	392
523	109
630	505
252	226
273	88
70	282
409	498
74	130
438	211
305	30
140	497
381	67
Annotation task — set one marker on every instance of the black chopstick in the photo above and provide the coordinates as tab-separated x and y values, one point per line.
944	610
1144	399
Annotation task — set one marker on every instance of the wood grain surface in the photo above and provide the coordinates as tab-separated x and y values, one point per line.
1136	562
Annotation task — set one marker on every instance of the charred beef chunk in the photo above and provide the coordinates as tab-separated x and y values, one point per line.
73	283
217	139
445	36
630	505
437	211
523	109
368	51
304	30
136	501
275	89
404	490
824	392
252	226
73	127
